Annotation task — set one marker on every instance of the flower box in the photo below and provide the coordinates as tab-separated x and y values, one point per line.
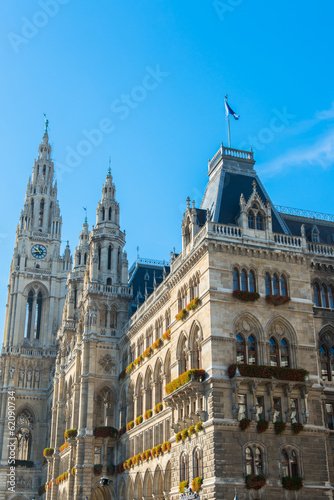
158	408
139	420
297	427
255	482
193	304
277	300
146	455
127	464
182	486
130	425
178	437
166	447
196	484
181	315
184	434
50	484
191	430
262	425
97	469
62	478
147	353
148	414
167	335
129	368
138	360
156	450
198	375
48	452
244	423
105	432
246	296
292	483
279	427
73	471
70	433
199	426
110	470
158	343
263	371
63	447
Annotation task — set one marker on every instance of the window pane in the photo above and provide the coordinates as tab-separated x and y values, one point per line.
330	415
316	294
325	373
277	410
294	410
242	413
258	461
284	291
236	285
249	461
259	408
240	349
268	284
324	298
273	352
259	222
330	297
243	281
275	285
251	282
251	350
251	224
285	357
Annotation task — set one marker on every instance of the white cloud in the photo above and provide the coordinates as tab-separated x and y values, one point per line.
319	154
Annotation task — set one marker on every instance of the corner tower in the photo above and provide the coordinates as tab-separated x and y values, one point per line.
36	294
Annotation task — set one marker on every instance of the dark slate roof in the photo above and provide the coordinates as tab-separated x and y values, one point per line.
201	216
326	229
139	270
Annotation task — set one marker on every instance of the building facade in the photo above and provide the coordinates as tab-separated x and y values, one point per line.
213	372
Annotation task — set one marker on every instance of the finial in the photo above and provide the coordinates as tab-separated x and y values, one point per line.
254	185
188	202
46	124
109	169
85	209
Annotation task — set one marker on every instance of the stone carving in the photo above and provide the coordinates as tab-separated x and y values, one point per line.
11	372
24	482
107	363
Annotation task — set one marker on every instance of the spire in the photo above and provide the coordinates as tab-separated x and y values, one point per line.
46	125
109	169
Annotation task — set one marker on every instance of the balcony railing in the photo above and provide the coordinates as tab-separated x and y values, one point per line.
112	289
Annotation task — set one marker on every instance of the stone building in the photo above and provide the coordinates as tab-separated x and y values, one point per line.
212	371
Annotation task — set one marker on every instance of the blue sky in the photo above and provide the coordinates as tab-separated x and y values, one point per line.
151	77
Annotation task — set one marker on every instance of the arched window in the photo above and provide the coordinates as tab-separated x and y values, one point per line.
251	220
139	397
99	258
241	351
109	257
324	295
41	212
109	217
75	297
30	302
184	472
236	282
316	292
259	222
289	463
268	284
183	358
24	423
103	213
38	316
274	359
327	363
79	259
249	461
243	281
197	461
253	460
252	358
252	286
85	258
275	285
284	289
198	355
187	233
285	356
330	297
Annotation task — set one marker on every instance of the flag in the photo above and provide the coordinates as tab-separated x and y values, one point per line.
229	111
236	495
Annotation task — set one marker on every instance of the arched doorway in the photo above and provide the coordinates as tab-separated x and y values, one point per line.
102	493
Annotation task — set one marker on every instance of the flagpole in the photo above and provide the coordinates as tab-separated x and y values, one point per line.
228	126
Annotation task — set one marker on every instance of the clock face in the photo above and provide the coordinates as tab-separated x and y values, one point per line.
38	251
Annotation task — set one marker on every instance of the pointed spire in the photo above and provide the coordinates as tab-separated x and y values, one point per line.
109	169
85	220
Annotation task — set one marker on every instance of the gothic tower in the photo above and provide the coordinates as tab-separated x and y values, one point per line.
36	294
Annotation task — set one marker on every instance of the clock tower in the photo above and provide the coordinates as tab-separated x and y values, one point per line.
36	295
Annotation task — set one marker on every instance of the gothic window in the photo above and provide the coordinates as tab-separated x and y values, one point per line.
273	350
109	213
252	287
85	258
197	462
253	460
103	213
259	222
330	297
259	408
29	314
252	350
41	212
167	368
198	355
277	417
289	462
243	280
327	363
294	418
268	284
38	314
158	381
275	285
324	296
75	297
330	415
236	282
315	235
187	233
103	317
184	476
285	355
183	357
149	399
241	350
251	220
79	258
113	317
109	257
242	406
108	282
316	292
104	408
246	352
284	289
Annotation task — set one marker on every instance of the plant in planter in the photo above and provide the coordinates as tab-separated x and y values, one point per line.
191	430
138	360
292	483
182	486
98	469
50	484
277	300
105	432
255	482
178	437
166	335
129	368
148	414
158	408
147	353
48	452
244	423
73	471
63	447
199	426
130	425
181	315
70	433
158	343
262	425
279	427
246	296
196	484
184	434
193	304
139	419
166	447
146	455
297	427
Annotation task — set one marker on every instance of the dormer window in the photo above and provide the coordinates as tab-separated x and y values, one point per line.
255	218
315	235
